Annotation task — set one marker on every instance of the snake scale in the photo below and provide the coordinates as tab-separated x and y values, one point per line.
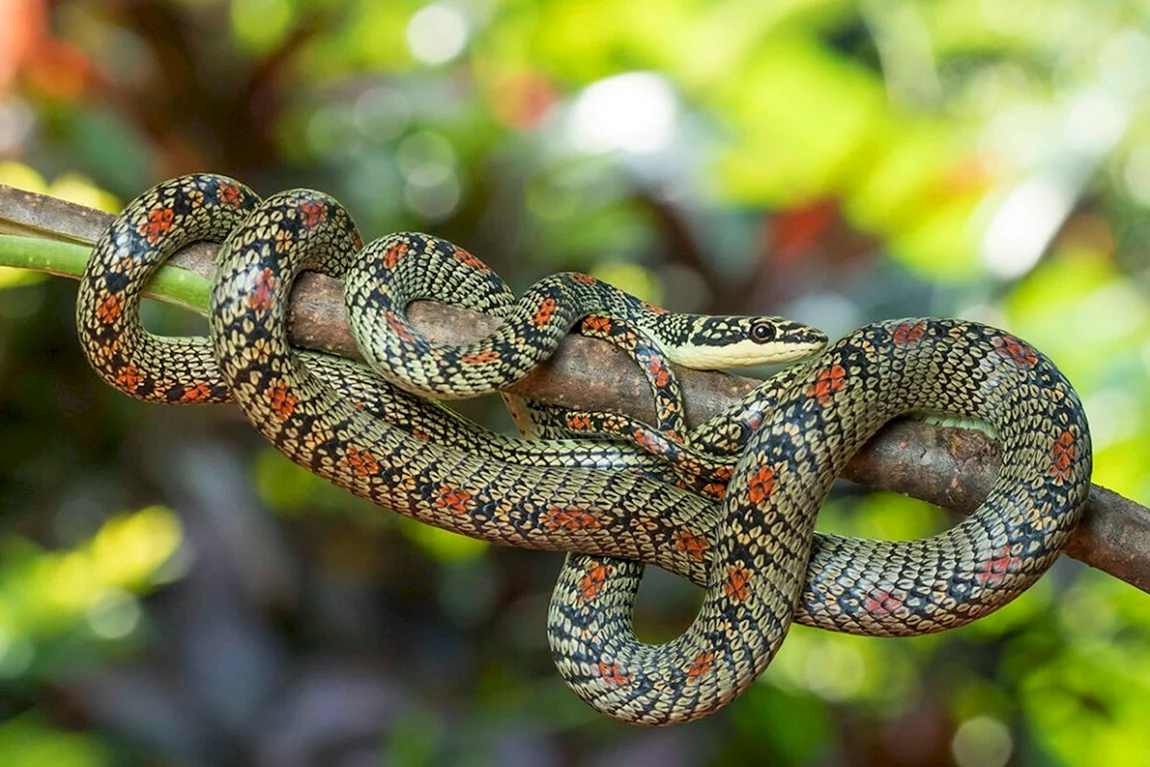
755	552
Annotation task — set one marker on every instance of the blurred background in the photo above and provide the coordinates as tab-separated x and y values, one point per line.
173	592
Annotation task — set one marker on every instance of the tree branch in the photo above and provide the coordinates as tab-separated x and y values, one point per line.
952	468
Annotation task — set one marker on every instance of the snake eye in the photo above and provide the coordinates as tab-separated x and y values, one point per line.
763	332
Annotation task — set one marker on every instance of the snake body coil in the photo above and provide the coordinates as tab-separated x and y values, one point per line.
756	553
400	268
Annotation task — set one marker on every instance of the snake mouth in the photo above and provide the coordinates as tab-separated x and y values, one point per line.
795	352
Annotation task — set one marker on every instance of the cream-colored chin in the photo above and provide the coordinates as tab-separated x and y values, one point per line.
739	355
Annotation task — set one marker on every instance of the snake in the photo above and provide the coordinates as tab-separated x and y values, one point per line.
183	370
380	286
755	553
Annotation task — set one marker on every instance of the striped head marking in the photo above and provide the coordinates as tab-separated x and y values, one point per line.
712	343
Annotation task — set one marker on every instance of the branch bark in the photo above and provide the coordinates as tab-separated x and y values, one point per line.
951	468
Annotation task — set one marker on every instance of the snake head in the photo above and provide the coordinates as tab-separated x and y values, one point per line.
717	342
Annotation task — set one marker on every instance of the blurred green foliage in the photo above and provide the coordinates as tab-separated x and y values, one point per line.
26	741
48	596
834	161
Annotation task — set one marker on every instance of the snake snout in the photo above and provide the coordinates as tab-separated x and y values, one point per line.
804	340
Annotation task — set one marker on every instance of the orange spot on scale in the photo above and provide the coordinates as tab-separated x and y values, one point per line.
361	462
261	299
109	309
454	499
1063	451
284	240
466	258
648	441
1014	350
881	603
590	583
596	325
578	422
159	222
715	490
828	381
660	376
313	213
231	196
738	583
197	393
397	327
392	255
909	333
282	401
129	377
761	484
612	674
694	546
570	519
993	571
652	308
586	279
479	358
701	665
545	312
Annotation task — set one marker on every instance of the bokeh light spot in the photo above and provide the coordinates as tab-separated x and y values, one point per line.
426	158
260	24
982	742
1136	174
633	112
436	33
381	113
114	615
835	670
433	203
1113	415
427	162
1024	225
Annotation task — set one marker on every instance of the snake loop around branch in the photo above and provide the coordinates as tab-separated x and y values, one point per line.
756	553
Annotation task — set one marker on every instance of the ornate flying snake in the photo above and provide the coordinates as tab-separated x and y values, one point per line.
608	503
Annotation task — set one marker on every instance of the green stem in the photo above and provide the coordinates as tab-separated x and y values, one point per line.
172	285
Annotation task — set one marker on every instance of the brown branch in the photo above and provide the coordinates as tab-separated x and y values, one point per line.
952	468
